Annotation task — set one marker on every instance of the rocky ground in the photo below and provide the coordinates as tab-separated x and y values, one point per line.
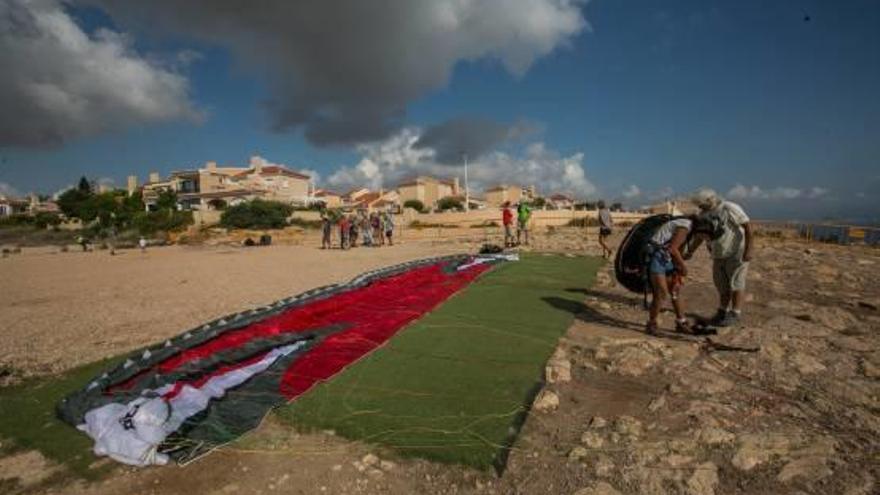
785	403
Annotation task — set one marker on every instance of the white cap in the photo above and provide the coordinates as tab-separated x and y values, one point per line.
706	199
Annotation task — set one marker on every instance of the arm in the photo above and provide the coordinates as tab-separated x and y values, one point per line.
691	248
678	241
747	251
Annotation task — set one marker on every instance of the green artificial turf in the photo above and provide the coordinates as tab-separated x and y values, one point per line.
455	386
28	420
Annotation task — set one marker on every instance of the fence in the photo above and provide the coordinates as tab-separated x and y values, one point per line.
818	232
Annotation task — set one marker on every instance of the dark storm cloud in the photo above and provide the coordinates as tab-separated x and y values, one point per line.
344	71
471	136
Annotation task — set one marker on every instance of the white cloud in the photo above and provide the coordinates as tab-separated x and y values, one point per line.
632	191
7	191
387	162
742	192
60	82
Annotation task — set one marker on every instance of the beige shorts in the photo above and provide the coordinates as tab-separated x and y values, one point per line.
729	274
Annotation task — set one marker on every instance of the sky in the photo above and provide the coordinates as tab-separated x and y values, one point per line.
773	104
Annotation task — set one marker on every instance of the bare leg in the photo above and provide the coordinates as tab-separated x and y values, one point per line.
659	289
737	297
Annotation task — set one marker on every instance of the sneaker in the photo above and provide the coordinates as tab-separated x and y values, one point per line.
729	320
651	328
720	315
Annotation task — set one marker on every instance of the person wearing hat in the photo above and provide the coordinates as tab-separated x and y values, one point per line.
731	254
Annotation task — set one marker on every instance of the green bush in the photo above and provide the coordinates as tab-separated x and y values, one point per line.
415	205
450	203
256	214
149	223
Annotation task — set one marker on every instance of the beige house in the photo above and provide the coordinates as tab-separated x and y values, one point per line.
212	187
428	190
329	198
500	194
560	201
381	200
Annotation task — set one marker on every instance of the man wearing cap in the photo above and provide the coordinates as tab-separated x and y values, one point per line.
731	254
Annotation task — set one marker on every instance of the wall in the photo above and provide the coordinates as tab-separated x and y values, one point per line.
540	218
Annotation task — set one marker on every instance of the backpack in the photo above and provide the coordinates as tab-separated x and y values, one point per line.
631	261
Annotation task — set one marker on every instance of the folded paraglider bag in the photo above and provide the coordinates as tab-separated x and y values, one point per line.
631	262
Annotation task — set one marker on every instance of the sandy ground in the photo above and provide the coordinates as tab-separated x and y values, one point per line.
59	310
789	406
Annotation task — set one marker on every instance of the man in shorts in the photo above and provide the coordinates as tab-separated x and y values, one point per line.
731	254
605	224
523	215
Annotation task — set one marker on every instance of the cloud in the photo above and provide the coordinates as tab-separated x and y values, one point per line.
385	163
61	83
471	136
8	191
344	71
743	192
631	192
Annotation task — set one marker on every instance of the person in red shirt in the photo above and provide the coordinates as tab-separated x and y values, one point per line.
507	220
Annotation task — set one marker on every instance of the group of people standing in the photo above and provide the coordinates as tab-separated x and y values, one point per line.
724	227
373	229
523	215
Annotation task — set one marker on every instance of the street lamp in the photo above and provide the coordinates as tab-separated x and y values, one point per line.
467	191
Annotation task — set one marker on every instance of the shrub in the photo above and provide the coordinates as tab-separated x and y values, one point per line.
256	214
415	205
490	223
149	223
449	203
416	224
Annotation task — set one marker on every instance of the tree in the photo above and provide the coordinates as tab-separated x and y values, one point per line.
415	205
72	202
616	207
167	200
539	202
256	214
84	185
449	203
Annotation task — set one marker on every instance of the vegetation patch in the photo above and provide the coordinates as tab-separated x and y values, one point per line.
256	214
29	420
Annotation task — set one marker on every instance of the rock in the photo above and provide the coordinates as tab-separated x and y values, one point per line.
600	488
704	480
375	473
703	383
359	466
834	318
337	467
628	426
809	468
657	403
604	306
869	305
713	436
546	401
370	460
678	460
386	465
870	369
558	369
806	364
633	361
592	440
598	422
758	448
603	466
577	453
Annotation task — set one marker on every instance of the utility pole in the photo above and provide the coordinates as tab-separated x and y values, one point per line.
467	191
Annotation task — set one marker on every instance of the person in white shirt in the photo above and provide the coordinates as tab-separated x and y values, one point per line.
666	267
731	254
